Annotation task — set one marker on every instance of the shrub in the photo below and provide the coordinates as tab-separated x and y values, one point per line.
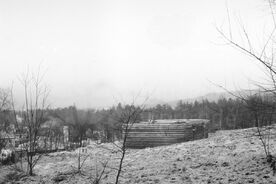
7	156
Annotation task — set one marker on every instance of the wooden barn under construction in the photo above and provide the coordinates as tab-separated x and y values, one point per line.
166	132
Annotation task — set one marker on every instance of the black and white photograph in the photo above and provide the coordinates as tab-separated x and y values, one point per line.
137	92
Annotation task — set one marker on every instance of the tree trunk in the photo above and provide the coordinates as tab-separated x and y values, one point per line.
120	167
220	118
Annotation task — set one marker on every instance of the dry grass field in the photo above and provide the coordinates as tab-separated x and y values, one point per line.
234	156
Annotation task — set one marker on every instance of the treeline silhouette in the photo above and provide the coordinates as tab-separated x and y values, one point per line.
224	114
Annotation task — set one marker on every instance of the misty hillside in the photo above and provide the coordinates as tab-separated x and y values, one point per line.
211	97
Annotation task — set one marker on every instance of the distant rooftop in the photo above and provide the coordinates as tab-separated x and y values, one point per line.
175	121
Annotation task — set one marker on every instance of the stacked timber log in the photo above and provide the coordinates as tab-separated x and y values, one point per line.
165	132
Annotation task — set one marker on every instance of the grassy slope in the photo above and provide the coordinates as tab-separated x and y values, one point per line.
225	157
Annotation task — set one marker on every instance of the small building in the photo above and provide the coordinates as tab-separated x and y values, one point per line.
166	132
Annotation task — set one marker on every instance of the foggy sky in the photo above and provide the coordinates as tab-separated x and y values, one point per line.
96	53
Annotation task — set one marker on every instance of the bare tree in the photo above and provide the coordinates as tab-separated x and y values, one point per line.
262	107
79	120
265	56
99	174
35	105
128	115
5	100
262	110
5	107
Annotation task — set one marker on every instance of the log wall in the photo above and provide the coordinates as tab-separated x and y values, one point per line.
165	132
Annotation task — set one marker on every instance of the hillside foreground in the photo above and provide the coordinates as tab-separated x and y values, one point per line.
234	156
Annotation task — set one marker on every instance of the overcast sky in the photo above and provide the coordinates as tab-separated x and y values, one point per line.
99	52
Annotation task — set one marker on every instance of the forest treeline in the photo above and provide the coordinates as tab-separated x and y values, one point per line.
223	114
104	124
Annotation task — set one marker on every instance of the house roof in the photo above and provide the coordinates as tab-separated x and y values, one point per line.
177	121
